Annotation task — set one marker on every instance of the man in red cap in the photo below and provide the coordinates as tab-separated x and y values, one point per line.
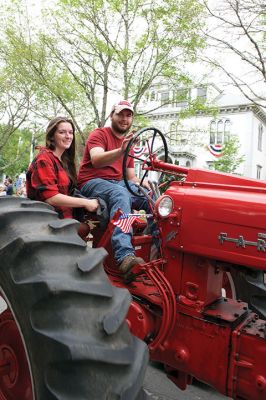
101	173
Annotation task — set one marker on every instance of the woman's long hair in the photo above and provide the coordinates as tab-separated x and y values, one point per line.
68	157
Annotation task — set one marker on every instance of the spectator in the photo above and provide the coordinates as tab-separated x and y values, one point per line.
2	189
51	176
18	183
22	190
9	187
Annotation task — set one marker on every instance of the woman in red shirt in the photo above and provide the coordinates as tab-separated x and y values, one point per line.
52	174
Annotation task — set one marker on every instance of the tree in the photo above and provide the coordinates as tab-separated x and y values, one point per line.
236	43
53	90
96	50
14	108
16	155
122	47
230	160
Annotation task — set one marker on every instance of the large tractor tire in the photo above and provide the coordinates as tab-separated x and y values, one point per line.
63	334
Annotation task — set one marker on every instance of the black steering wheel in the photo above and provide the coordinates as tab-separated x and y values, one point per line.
147	143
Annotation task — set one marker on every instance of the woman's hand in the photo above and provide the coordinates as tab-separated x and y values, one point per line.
91	205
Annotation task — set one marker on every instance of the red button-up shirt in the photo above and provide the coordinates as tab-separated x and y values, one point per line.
46	178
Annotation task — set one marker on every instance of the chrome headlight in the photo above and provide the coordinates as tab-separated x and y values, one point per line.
165	206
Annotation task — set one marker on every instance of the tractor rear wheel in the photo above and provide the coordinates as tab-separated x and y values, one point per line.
63	333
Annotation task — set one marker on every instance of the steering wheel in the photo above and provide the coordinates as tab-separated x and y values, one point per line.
147	143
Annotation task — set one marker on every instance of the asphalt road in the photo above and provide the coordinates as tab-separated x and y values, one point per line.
159	387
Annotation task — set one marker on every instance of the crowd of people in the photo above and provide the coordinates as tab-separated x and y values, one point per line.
52	176
11	187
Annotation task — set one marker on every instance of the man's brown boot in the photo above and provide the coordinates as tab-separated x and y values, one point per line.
128	263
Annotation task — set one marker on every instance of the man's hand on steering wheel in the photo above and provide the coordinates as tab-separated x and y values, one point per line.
127	138
146	184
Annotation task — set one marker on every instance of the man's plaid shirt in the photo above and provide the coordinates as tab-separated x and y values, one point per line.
46	178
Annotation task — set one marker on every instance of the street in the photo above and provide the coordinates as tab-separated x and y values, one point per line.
159	387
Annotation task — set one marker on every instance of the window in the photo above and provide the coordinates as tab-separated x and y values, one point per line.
213	132
220	136
142	140
152	96
227	129
137	169
259	169
260	137
173	134
173	140
202	93
181	97
172	127
220	131
188	164
165	99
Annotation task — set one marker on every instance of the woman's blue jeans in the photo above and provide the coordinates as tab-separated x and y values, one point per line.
116	196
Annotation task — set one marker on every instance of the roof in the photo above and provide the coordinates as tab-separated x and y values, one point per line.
231	99
235	101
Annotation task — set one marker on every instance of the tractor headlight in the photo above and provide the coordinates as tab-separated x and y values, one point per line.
165	206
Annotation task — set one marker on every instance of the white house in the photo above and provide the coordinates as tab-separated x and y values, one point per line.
198	140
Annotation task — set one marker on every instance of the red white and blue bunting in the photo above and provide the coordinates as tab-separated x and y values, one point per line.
139	150
216	149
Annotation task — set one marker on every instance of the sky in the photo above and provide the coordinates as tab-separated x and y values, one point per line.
199	70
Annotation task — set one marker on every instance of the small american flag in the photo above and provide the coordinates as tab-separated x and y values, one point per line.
125	222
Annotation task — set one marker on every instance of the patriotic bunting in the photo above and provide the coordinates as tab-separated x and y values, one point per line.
216	149
139	150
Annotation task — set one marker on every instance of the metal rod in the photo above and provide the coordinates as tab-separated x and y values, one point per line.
143	191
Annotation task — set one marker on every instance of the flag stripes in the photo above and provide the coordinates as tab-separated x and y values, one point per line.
125	222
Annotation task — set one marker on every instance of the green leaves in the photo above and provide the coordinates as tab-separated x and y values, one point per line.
79	55
128	44
16	156
230	160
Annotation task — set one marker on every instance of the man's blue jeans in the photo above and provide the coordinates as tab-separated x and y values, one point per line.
116	196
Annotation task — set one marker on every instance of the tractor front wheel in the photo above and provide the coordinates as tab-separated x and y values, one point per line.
63	333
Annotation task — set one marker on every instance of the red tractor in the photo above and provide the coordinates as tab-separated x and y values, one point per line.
199	301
